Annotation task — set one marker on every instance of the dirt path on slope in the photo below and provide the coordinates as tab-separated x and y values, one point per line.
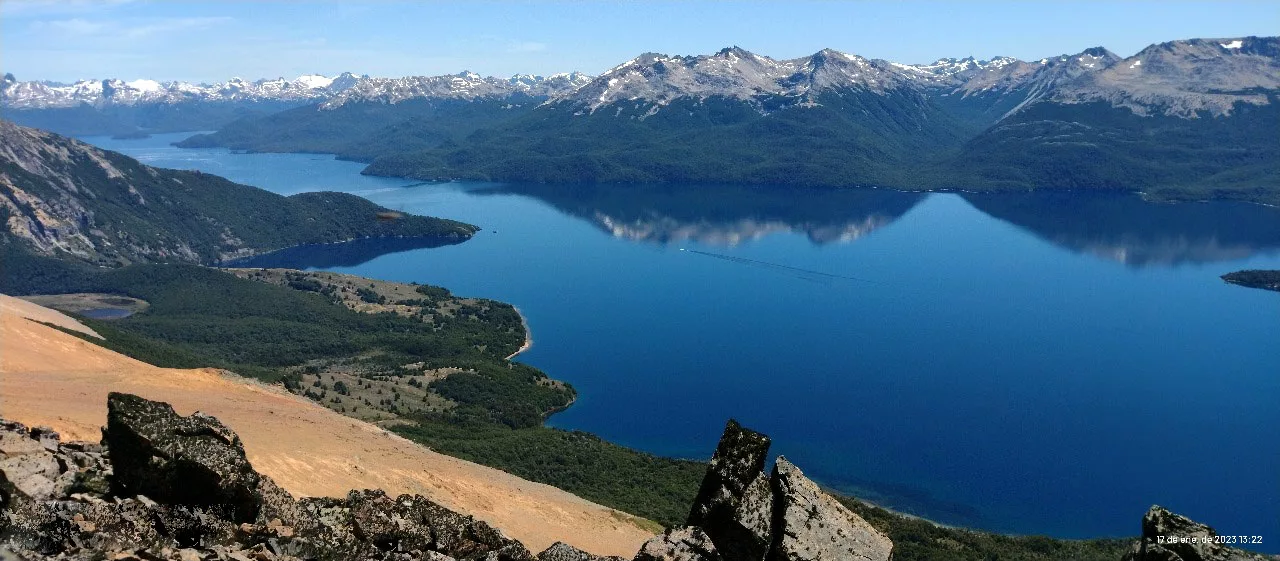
48	377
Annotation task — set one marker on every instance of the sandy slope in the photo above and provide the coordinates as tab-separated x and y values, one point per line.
52	378
13	306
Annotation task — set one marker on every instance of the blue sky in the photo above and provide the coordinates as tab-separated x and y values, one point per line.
210	41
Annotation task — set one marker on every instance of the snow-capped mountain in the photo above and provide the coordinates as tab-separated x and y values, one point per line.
1184	78
734	73
953	71
98	93
1178	78
311	88
463	85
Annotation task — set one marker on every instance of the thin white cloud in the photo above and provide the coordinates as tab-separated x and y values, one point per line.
74	26
133	29
28	8
527	47
173	24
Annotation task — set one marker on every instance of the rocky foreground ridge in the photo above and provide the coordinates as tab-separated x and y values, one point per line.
165	487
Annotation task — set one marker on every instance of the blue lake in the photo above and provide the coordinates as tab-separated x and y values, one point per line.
1028	363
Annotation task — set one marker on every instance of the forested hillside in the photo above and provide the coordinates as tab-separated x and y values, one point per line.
64	198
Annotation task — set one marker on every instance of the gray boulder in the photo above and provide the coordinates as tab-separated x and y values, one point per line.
28	469
734	505
679	544
561	551
1171	537
193	461
780	516
809	525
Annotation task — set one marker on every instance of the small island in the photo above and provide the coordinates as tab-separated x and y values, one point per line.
1266	280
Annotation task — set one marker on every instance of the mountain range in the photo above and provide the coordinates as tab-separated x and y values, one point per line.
1188	119
114	106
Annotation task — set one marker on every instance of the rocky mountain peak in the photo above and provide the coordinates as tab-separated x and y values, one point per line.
113	91
654	80
1183	78
465	85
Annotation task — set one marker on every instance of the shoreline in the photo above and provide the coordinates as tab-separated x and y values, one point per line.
528	335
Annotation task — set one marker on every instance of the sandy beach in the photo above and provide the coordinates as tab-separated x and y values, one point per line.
528	336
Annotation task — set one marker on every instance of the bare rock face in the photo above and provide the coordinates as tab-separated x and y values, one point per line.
734	504
781	516
812	526
689	543
561	551
1171	537
193	461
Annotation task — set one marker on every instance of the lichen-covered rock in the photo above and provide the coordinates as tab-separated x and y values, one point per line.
689	543
28	468
561	551
192	461
1171	537
809	525
144	515
734	503
458	535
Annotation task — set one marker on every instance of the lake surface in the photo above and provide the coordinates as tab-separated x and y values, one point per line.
1023	363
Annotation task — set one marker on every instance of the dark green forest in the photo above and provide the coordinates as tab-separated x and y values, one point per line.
848	140
916	539
364	131
1266	280
842	139
657	488
205	317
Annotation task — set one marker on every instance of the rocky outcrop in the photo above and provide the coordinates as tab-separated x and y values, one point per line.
193	461
168	487
561	551
1171	537
810	525
689	543
743	514
735	504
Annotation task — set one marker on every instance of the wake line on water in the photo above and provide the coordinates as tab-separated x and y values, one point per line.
777	266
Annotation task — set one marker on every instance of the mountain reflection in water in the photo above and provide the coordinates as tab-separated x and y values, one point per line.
345	254
721	215
1127	229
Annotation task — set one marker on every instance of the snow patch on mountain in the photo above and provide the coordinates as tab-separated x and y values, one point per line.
463	85
658	79
1188	78
98	93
